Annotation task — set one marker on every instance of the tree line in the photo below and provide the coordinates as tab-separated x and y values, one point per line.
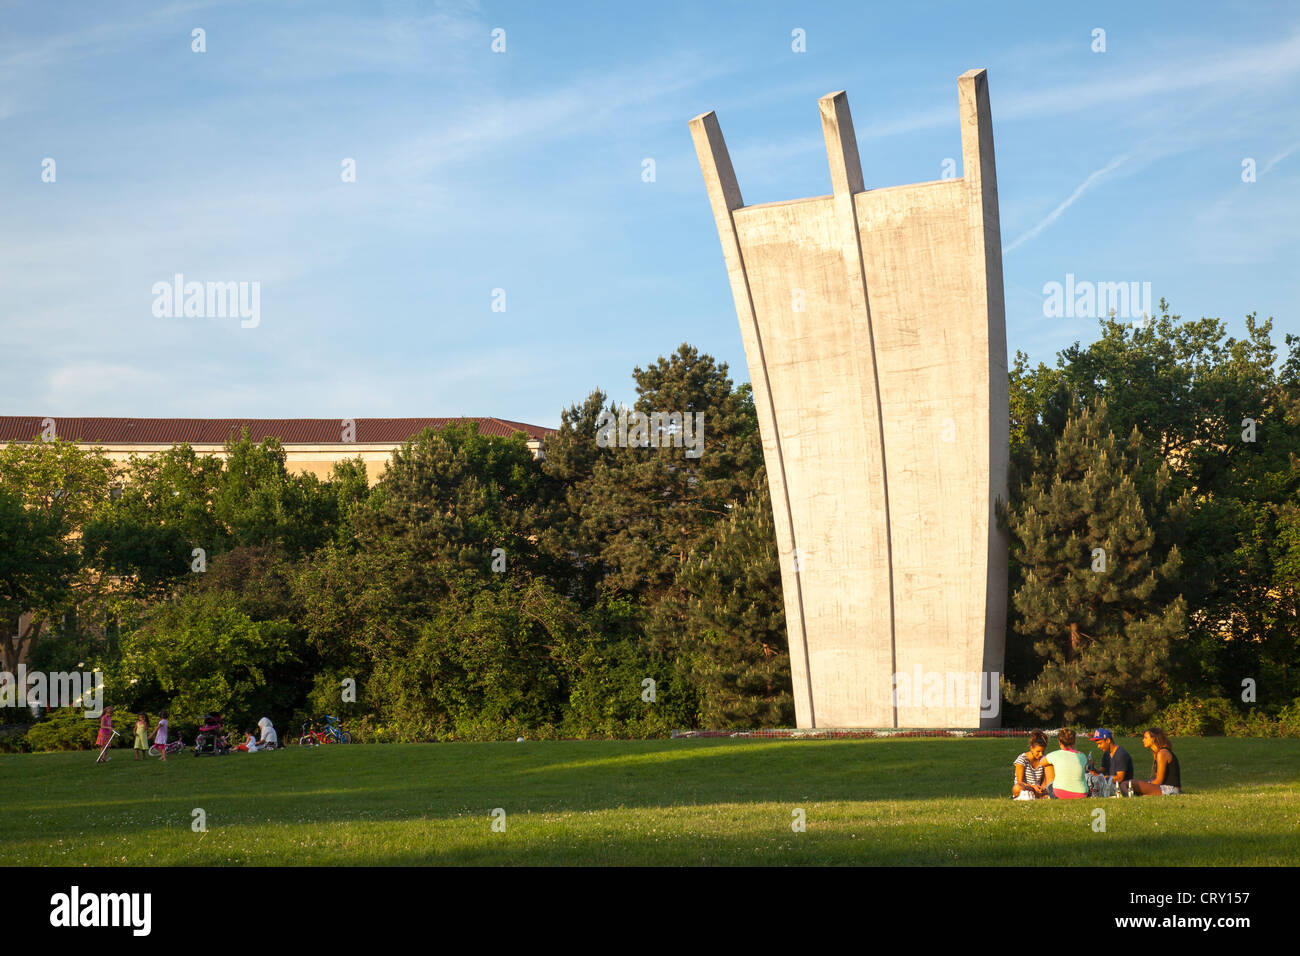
475	592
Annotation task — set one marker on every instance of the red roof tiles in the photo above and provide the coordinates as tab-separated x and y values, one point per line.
290	431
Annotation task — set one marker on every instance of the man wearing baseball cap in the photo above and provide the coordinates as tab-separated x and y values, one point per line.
1116	764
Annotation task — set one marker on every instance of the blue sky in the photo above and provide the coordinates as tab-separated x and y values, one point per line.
522	171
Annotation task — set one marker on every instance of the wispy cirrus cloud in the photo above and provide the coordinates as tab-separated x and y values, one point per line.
523	170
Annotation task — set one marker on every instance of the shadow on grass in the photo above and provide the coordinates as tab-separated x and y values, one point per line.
51	797
1228	849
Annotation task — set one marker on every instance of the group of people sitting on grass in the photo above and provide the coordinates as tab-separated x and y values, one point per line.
268	741
1067	774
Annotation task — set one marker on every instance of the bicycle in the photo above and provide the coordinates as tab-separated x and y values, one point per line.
310	736
172	747
330	733
336	733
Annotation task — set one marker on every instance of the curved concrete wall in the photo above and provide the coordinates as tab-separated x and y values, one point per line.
875	335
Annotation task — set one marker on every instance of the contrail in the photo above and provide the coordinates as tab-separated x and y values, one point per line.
1277	159
1055	214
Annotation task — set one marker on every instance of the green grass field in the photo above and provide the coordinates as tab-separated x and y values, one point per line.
714	801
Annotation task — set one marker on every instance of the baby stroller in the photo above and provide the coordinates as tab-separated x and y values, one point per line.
212	740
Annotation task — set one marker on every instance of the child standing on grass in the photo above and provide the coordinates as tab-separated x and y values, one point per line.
105	734
141	737
160	735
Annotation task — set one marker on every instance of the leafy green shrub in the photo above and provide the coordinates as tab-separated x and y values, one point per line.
208	657
1288	720
494	658
607	690
1185	718
70	729
1253	723
471	728
1218	716
326	696
13	738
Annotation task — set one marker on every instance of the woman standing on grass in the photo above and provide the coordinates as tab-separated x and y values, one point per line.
1166	776
1065	768
1029	767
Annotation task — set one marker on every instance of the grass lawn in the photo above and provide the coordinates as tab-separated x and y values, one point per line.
712	801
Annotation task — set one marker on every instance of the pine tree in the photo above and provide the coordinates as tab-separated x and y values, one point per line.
1097	601
735	618
643	509
570	546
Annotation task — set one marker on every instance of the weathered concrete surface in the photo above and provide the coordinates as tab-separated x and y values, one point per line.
875	334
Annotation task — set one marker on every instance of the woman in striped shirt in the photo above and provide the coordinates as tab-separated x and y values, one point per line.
1030	767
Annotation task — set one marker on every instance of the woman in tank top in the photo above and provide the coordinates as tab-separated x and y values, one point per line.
1166	775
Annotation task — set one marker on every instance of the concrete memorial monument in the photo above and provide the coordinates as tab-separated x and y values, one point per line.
875	336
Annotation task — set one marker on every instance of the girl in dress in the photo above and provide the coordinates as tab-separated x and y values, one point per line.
105	734
141	737
160	735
